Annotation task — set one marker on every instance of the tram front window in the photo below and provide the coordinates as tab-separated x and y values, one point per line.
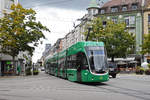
97	59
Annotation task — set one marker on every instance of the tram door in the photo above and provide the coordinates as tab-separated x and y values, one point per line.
82	65
64	68
79	63
79	70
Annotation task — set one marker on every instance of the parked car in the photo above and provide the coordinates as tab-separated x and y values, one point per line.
113	69
42	69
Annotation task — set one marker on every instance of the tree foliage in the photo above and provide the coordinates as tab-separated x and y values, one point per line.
117	40
18	29
146	44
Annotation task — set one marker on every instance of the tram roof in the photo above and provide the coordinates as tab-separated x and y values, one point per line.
88	43
78	47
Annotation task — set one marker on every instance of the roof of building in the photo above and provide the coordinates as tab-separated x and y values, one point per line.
112	3
93	4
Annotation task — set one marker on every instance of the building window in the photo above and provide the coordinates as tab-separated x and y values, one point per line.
102	11
127	21
115	20
148	19
124	8
114	9
134	7
90	12
94	11
132	20
104	23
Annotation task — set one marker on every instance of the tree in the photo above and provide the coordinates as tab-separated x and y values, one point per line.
146	44
18	29
117	40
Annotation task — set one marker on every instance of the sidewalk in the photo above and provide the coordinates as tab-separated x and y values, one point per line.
131	74
2	77
11	76
18	76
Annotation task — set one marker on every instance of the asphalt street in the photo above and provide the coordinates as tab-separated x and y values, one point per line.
46	87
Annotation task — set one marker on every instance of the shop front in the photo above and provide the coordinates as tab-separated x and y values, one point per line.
7	68
10	68
126	65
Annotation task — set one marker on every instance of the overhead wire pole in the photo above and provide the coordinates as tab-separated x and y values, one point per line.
89	30
142	13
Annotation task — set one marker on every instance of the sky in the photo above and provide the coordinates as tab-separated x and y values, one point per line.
58	15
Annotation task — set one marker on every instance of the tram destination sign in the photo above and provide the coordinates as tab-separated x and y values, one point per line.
95	48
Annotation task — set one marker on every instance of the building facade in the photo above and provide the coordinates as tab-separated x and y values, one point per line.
76	35
6	64
135	13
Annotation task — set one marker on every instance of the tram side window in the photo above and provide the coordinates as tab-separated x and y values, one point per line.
71	61
69	64
74	59
82	61
61	63
54	64
49	65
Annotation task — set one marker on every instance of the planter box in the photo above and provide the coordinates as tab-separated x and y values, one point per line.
140	72
147	72
35	73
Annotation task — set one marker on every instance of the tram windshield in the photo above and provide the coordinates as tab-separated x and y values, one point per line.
97	59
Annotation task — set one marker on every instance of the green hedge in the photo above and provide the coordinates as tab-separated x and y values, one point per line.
139	70
28	71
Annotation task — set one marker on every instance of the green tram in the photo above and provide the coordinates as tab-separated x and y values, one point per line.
82	62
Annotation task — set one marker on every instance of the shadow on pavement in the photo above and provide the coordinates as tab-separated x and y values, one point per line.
93	83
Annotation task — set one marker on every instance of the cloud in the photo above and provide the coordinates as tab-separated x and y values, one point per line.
59	21
66	4
58	16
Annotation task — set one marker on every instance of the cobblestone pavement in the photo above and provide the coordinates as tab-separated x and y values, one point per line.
45	87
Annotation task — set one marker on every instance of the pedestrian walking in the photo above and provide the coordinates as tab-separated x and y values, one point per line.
18	70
